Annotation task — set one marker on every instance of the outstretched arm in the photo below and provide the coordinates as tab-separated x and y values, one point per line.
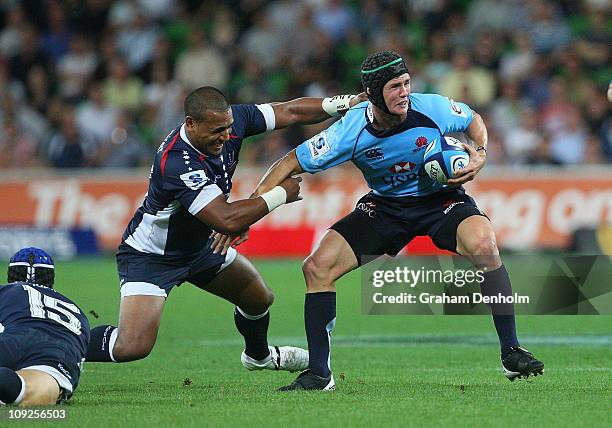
233	218
280	170
306	111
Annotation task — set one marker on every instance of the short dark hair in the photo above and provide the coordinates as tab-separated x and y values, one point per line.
203	99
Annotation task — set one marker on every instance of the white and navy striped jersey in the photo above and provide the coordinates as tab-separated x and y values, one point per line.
184	180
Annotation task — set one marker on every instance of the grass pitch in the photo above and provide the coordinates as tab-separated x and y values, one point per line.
389	370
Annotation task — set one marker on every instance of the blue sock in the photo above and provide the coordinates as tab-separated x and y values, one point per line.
319	319
11	386
99	348
254	329
498	282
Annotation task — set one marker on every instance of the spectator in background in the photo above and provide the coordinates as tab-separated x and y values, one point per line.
201	64
517	63
568	143
56	40
95	118
225	30
334	18
494	15
522	140
262	42
29	56
124	148
557	108
122	13
76	67
157	10
122	89
67	146
438	64
535	86
39	89
546	28
10	40
136	42
474	85
507	108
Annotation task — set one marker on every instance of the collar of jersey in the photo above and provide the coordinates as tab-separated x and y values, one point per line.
382	133
183	134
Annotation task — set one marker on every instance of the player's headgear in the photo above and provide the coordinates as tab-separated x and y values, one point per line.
32	265
376	70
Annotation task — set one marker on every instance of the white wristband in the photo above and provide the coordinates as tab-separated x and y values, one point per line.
275	197
335	105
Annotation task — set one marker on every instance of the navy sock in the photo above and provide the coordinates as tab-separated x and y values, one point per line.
319	319
99	349
254	329
10	386
498	282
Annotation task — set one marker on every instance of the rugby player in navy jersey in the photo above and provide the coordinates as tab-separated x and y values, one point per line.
385	138
185	214
43	334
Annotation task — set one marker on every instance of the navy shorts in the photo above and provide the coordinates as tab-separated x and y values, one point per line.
382	225
28	348
156	275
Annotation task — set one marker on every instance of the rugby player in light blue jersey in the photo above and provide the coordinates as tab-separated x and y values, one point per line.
385	138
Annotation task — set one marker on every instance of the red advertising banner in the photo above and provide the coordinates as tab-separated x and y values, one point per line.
528	210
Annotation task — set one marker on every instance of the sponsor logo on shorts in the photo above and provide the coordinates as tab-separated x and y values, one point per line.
1	328
451	206
368	208
64	371
318	145
374	154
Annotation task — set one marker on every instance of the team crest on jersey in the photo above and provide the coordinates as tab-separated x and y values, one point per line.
456	109
420	144
318	145
194	179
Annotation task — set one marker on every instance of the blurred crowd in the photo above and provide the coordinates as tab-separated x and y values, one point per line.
99	83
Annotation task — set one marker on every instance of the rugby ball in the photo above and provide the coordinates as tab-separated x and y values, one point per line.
444	157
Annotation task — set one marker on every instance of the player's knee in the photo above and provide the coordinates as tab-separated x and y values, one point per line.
258	304
482	250
317	268
482	245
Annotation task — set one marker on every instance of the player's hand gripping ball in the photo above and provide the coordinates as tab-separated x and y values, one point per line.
444	157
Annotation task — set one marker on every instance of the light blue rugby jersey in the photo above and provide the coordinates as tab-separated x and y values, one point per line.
392	160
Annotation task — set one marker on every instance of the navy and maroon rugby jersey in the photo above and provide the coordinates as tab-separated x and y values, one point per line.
184	180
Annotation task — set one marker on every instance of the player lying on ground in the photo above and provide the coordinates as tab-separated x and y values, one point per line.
169	239
43	334
385	138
